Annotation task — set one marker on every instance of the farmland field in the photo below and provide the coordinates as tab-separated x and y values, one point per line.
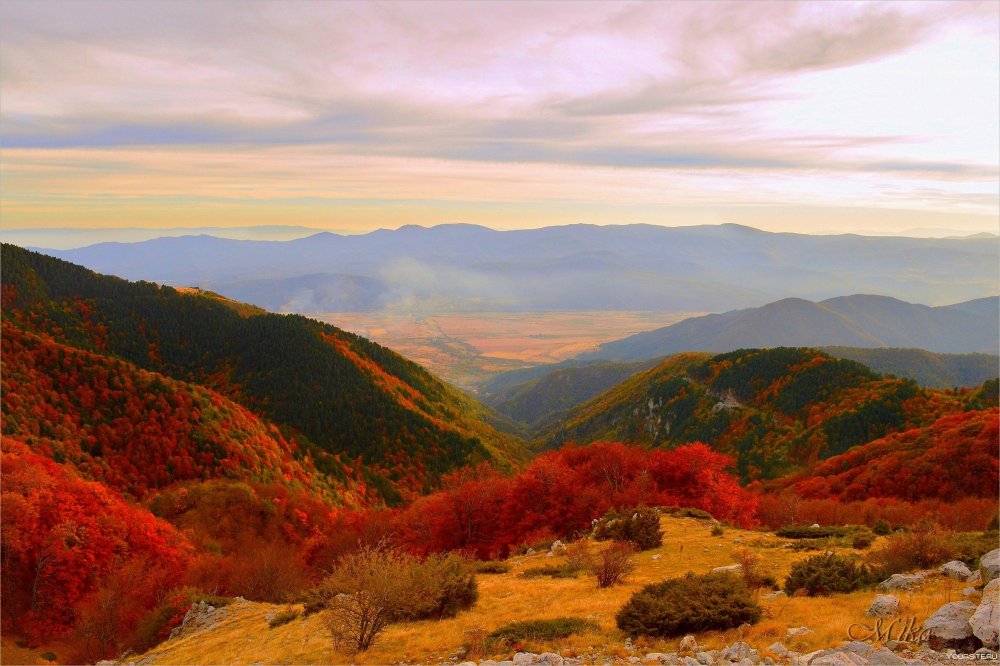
466	348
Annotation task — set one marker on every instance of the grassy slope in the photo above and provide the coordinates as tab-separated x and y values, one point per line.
244	636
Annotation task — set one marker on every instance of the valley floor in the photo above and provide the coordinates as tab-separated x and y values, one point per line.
239	633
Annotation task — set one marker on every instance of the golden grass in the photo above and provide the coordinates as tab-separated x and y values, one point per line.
244	637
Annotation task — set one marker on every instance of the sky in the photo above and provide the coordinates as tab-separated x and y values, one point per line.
812	117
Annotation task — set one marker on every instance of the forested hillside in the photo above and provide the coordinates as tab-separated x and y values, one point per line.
340	394
775	410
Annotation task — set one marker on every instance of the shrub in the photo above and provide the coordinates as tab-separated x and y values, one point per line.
970	546
640	526
284	617
825	574
517	633
882	527
48	656
578	555
689	604
375	586
687	512
491	567
805	532
994	524
717	530
863	540
553	571
749	563
925	547
613	563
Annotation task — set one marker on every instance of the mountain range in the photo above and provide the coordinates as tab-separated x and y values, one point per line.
577	267
848	321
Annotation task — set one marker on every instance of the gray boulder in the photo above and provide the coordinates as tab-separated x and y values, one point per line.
774	596
884	605
950	623
985	622
739	651
902	582
689	644
989	565
732	568
778	649
797	631
956	569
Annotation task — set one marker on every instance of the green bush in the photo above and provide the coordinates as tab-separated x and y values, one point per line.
826	574
806	532
284	617
48	656
686	512
863	540
715	601
922	548
564	570
491	567
640	526
717	530
882	527
517	633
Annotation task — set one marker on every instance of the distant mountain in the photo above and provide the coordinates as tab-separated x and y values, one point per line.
577	267
849	321
348	403
537	396
776	410
926	368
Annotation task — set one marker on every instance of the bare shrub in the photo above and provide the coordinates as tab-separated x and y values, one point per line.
749	562
613	563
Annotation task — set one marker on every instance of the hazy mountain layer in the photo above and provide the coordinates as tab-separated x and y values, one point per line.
577	267
849	321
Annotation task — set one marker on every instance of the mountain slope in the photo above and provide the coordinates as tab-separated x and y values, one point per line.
575	267
536	396
339	394
953	458
924	367
775	410
850	321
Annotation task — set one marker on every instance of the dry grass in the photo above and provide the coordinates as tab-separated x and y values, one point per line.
244	638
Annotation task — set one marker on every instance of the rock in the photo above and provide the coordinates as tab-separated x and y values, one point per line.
951	622
969	591
985	621
884	605
550	554
975	578
732	568
774	596
657	658
884	657
557	547
689	644
837	658
705	658
989	565
769	662
550	658
689	661
656	557
956	569
524	659
778	649
468	663
739	651
902	582
634	660
797	631
814	525
530	551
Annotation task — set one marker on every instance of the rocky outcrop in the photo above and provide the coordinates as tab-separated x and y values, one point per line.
884	605
985	622
989	565
950	624
902	581
956	569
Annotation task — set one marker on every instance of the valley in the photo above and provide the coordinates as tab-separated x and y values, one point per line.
470	348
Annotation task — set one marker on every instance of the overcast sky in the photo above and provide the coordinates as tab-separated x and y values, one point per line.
813	117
